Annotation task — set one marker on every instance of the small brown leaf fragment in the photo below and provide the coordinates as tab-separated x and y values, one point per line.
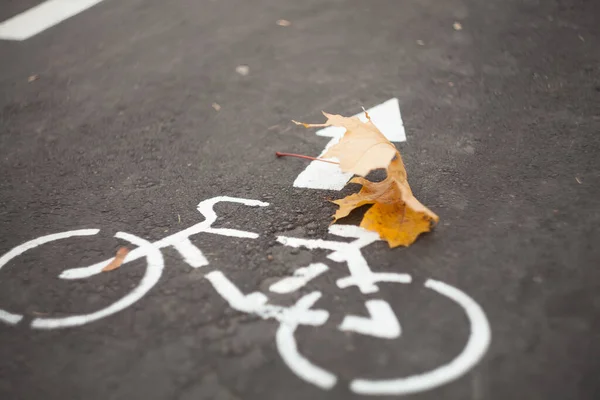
216	106
118	260
283	22
457	26
39	314
33	78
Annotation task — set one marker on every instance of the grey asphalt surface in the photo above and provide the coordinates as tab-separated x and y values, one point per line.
118	133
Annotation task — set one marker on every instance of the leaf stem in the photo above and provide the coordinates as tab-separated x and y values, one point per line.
280	154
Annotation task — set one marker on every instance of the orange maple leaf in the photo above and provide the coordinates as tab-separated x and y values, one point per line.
396	214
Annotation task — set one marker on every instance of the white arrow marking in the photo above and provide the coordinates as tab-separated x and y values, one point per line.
382	322
327	176
42	17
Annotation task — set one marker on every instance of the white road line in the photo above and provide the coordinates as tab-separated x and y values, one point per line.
42	17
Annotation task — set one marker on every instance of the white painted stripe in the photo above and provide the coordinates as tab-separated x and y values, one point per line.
42	17
191	254
300	365
288	347
10	318
326	176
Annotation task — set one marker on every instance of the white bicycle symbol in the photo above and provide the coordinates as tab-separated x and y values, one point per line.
382	324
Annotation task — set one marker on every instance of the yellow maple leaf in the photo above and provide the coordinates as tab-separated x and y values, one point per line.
396	214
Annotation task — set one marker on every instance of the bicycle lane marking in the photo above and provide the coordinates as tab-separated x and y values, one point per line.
257	303
326	176
151	251
382	322
41	17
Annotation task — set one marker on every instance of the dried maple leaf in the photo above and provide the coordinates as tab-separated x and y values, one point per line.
362	148
396	214
118	260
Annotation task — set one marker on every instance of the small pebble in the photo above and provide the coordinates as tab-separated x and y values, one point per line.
242	70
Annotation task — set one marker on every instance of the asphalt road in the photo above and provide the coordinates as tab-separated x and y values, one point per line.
107	121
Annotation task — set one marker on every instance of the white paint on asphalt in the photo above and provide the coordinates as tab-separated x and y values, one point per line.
289	319
257	303
300	278
252	303
190	253
321	175
350	253
296	362
41	17
32	244
152	251
381	323
151	276
477	345
9	318
180	240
